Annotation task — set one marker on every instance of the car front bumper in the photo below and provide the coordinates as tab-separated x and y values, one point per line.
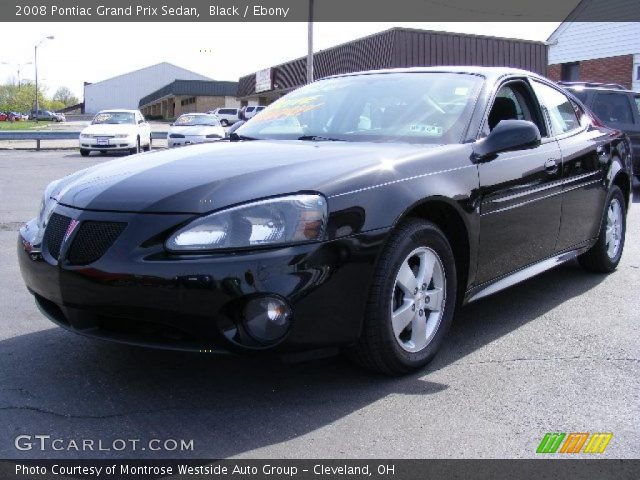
126	143
189	140
136	293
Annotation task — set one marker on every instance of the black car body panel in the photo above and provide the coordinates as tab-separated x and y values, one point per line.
512	211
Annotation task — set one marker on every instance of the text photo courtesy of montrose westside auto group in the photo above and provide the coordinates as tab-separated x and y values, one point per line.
320	240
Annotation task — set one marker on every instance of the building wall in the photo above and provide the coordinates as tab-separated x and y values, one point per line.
577	41
125	91
401	47
618	69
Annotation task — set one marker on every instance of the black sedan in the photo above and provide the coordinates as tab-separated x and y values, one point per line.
356	212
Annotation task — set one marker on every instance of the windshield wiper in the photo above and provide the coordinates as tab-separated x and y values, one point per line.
234	137
319	138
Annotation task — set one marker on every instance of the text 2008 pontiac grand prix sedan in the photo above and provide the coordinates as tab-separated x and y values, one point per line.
356	212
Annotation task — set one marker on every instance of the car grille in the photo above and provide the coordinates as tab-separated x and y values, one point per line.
54	234
93	240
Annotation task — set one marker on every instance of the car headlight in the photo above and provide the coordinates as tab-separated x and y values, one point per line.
85	135
47	204
283	220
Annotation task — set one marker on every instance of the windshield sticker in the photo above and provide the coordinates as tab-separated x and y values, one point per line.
290	107
429	130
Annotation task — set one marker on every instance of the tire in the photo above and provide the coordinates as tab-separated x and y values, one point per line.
136	149
148	147
224	122
380	347
84	152
103	152
604	256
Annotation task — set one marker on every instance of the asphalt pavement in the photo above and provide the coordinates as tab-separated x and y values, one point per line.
557	353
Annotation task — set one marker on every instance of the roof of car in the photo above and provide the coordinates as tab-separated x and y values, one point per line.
599	88
118	110
488	72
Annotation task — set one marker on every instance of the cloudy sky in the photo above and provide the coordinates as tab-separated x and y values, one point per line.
223	51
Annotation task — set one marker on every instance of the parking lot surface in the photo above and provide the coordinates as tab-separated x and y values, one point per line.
558	353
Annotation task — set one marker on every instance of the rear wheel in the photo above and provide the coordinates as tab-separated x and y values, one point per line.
411	303
605	255
84	152
224	122
148	147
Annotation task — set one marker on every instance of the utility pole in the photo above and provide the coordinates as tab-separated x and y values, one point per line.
18	67
310	45
35	58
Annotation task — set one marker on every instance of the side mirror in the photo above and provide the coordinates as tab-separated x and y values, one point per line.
507	135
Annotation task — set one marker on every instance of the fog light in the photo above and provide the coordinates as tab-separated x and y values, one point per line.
267	319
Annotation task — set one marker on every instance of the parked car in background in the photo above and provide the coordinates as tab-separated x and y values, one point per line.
227	116
60	117
193	128
360	221
615	107
116	130
44	115
251	111
4	117
15	117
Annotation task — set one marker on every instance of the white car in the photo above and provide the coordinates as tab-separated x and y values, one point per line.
116	130
193	128
251	111
227	116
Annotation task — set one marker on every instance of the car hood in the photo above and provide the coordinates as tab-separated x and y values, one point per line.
106	129
202	178
196	130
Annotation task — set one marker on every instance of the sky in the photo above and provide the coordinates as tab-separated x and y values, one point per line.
223	51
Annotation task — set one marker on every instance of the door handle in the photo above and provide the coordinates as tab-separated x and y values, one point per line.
551	165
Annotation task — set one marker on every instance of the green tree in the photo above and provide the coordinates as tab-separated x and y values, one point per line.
65	97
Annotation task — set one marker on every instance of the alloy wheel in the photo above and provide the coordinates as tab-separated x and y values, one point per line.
614	228
418	299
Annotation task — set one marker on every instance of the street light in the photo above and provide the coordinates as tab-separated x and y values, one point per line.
18	67
35	57
310	44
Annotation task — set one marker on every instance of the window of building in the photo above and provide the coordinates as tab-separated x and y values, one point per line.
570	72
637	99
188	101
557	107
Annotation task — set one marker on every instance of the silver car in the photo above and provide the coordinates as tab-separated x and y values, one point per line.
191	128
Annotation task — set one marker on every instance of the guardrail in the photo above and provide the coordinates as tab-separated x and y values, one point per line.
38	136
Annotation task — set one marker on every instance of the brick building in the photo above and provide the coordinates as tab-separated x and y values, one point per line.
188	96
604	52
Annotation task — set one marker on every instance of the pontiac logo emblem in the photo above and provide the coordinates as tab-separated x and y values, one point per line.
72	226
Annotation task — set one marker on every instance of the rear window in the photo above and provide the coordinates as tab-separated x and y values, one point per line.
227	111
613	108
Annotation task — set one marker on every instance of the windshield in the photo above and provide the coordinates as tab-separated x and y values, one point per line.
417	107
114	118
192	120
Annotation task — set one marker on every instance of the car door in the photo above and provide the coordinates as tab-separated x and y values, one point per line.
582	172
519	191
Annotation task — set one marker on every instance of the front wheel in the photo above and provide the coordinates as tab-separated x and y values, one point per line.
84	152
136	149
605	255
224	123
411	302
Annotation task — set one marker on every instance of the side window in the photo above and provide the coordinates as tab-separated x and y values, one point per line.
557	107
637	101
513	102
613	108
